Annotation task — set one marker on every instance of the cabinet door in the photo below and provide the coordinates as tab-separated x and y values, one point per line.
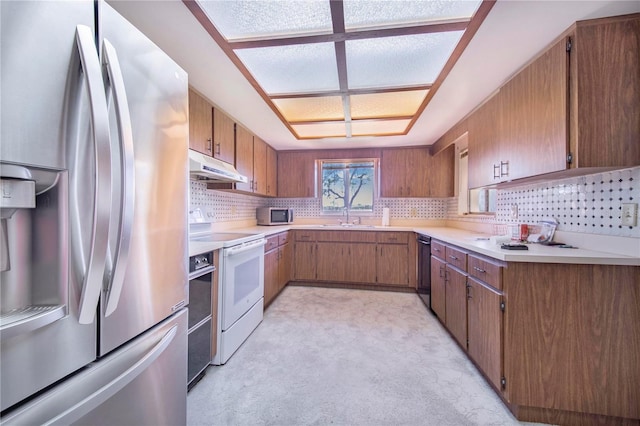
417	171
296	178
438	289
358	260
484	143
332	261
200	124
392	173
244	157
392	264
284	265
456	302
605	93
259	166
223	137
272	172
535	117
305	261
270	275
485	330
441	169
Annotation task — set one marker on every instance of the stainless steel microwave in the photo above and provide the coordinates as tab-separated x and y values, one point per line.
274	216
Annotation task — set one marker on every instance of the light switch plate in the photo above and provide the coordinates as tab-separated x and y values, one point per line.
629	214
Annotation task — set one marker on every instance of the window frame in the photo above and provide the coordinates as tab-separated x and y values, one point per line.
375	183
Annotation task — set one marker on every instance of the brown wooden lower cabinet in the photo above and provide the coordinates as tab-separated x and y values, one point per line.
360	257
438	301
456	304
277	266
391	264
484	329
572	342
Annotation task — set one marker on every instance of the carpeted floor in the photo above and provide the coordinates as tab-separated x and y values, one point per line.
346	357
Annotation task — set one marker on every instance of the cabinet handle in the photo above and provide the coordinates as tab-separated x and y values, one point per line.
442	272
503	165
482	271
436	250
218	148
469	292
255	186
209	147
496	171
453	257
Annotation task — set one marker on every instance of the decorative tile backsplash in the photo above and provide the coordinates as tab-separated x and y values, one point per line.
588	204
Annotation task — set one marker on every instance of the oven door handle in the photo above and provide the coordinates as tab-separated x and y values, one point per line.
241	249
200	272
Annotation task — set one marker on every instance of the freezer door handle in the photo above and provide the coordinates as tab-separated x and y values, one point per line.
116	271
92	281
74	394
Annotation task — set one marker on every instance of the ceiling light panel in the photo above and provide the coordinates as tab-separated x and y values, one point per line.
398	61
295	68
237	20
379	127
319	108
390	104
360	14
321	130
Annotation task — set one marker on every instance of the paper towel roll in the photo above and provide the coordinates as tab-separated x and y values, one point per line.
385	216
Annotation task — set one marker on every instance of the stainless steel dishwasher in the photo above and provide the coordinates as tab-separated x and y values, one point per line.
424	269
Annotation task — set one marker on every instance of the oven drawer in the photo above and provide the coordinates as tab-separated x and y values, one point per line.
199	350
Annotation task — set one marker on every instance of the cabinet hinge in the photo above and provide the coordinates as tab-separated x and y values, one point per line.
503	382
502	305
569	158
569	44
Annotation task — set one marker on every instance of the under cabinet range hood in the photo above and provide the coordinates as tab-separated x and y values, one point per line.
209	169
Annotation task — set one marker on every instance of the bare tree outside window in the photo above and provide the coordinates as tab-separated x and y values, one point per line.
347	184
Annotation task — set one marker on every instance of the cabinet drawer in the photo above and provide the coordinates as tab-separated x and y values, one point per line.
272	242
457	258
390	237
486	271
305	235
283	238
438	249
347	236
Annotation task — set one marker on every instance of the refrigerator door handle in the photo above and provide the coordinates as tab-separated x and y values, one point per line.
92	282
123	116
97	398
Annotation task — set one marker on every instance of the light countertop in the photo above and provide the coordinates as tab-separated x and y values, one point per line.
469	240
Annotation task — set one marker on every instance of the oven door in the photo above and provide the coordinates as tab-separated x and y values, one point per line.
242	280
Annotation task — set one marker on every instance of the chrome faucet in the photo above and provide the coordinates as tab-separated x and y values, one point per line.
346	210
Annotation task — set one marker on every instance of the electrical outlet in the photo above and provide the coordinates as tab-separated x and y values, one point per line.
414	212
629	214
234	210
514	211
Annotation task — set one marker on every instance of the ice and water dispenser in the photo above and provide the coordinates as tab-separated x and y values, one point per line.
33	248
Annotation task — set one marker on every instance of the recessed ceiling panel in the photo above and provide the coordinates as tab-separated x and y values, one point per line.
390	104
398	61
319	108
258	19
378	127
369	14
293	69
321	130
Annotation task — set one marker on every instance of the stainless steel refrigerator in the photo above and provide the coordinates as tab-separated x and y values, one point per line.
93	235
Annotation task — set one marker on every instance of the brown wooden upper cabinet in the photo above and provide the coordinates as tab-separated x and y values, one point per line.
574	106
259	166
272	172
413	172
200	124
296	174
244	157
223	137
